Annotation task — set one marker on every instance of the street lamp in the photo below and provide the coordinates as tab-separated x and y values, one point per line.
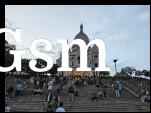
115	60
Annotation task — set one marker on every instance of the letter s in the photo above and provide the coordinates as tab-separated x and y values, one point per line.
40	55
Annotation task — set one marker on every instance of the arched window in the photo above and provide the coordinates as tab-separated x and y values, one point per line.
72	63
78	59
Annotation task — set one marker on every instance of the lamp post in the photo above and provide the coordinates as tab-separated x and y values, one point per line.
115	60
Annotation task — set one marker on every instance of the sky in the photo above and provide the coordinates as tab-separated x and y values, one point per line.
125	29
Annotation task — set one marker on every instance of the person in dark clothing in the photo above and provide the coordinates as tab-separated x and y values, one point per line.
10	91
56	100
41	84
95	97
49	98
71	93
105	93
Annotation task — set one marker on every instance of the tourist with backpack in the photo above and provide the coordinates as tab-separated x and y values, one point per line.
116	89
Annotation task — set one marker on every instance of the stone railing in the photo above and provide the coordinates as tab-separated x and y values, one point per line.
132	89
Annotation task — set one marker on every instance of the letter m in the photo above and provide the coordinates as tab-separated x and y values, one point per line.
83	55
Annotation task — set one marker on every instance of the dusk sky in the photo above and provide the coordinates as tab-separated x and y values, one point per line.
124	29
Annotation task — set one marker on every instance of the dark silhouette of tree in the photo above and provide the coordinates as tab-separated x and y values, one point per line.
25	65
127	70
9	58
146	73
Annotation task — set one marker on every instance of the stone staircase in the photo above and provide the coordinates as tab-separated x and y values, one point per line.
83	102
27	102
126	103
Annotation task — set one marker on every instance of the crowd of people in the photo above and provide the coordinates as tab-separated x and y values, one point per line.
74	83
53	87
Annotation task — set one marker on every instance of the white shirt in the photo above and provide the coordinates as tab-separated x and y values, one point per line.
60	109
7	109
50	85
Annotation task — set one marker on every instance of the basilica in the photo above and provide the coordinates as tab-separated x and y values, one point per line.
74	57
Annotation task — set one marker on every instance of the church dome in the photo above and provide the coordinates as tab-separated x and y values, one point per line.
82	35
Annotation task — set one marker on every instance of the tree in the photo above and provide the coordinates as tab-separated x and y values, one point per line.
146	73
9	58
138	73
128	70
25	66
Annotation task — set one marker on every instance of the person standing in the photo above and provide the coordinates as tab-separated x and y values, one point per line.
50	85
120	88
19	89
116	88
58	88
104	92
49	98
71	93
56	100
61	86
